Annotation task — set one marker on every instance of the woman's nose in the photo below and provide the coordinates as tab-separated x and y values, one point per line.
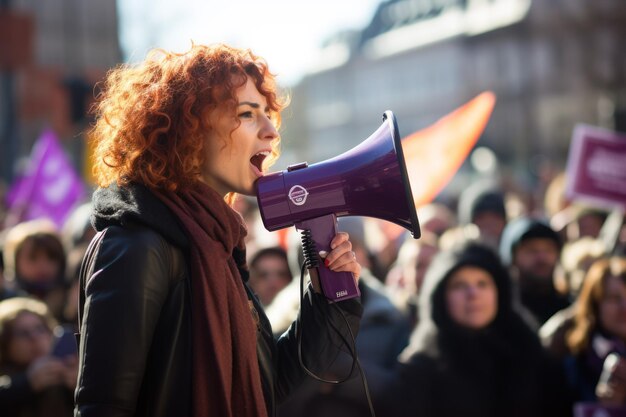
269	130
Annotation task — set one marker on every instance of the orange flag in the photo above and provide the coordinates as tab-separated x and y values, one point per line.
434	154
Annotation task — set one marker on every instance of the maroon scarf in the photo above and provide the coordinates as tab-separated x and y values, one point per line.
226	378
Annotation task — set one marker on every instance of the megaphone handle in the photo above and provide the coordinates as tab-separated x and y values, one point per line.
336	286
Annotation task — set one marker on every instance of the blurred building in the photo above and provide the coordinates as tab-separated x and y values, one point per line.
551	64
66	46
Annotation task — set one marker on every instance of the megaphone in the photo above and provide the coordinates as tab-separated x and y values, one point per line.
369	180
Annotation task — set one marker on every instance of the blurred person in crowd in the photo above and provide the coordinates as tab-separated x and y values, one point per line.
383	333
169	325
406	276
531	249
436	218
269	273
577	221
576	259
472	354
554	200
571	220
598	328
384	241
33	380
456	235
482	204
35	262
77	229
589	221
5	290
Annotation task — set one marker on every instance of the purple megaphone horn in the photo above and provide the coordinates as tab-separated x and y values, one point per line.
369	180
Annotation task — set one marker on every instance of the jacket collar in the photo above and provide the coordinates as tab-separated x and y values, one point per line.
132	204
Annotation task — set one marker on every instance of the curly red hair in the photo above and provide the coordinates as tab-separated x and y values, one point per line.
152	118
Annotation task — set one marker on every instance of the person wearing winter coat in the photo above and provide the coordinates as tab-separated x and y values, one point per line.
472	354
168	324
595	335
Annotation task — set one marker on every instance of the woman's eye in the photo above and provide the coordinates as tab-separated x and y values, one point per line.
245	115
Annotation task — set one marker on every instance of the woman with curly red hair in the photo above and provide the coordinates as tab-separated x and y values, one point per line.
168	324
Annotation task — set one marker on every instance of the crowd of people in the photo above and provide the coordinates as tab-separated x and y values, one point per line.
501	308
493	311
485	314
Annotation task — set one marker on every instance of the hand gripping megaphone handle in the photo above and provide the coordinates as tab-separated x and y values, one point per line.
336	286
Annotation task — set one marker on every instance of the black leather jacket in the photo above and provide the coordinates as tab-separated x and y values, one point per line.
135	321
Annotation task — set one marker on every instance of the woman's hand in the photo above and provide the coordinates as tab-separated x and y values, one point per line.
341	257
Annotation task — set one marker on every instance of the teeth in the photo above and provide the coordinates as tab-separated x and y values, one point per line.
264	153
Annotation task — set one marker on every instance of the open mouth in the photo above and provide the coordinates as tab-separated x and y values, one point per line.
258	158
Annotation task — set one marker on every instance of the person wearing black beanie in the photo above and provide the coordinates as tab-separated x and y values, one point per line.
531	249
483	204
472	354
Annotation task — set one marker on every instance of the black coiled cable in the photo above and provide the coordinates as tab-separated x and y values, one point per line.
311	260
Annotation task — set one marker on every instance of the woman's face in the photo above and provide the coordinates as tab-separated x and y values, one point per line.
233	162
471	297
35	265
612	308
30	339
268	277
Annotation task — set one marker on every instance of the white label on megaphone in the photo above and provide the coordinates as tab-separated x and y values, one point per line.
298	195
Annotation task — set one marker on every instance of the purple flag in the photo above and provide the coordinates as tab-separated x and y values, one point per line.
50	187
14	191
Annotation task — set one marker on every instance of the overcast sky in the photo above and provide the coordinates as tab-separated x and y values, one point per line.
285	32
